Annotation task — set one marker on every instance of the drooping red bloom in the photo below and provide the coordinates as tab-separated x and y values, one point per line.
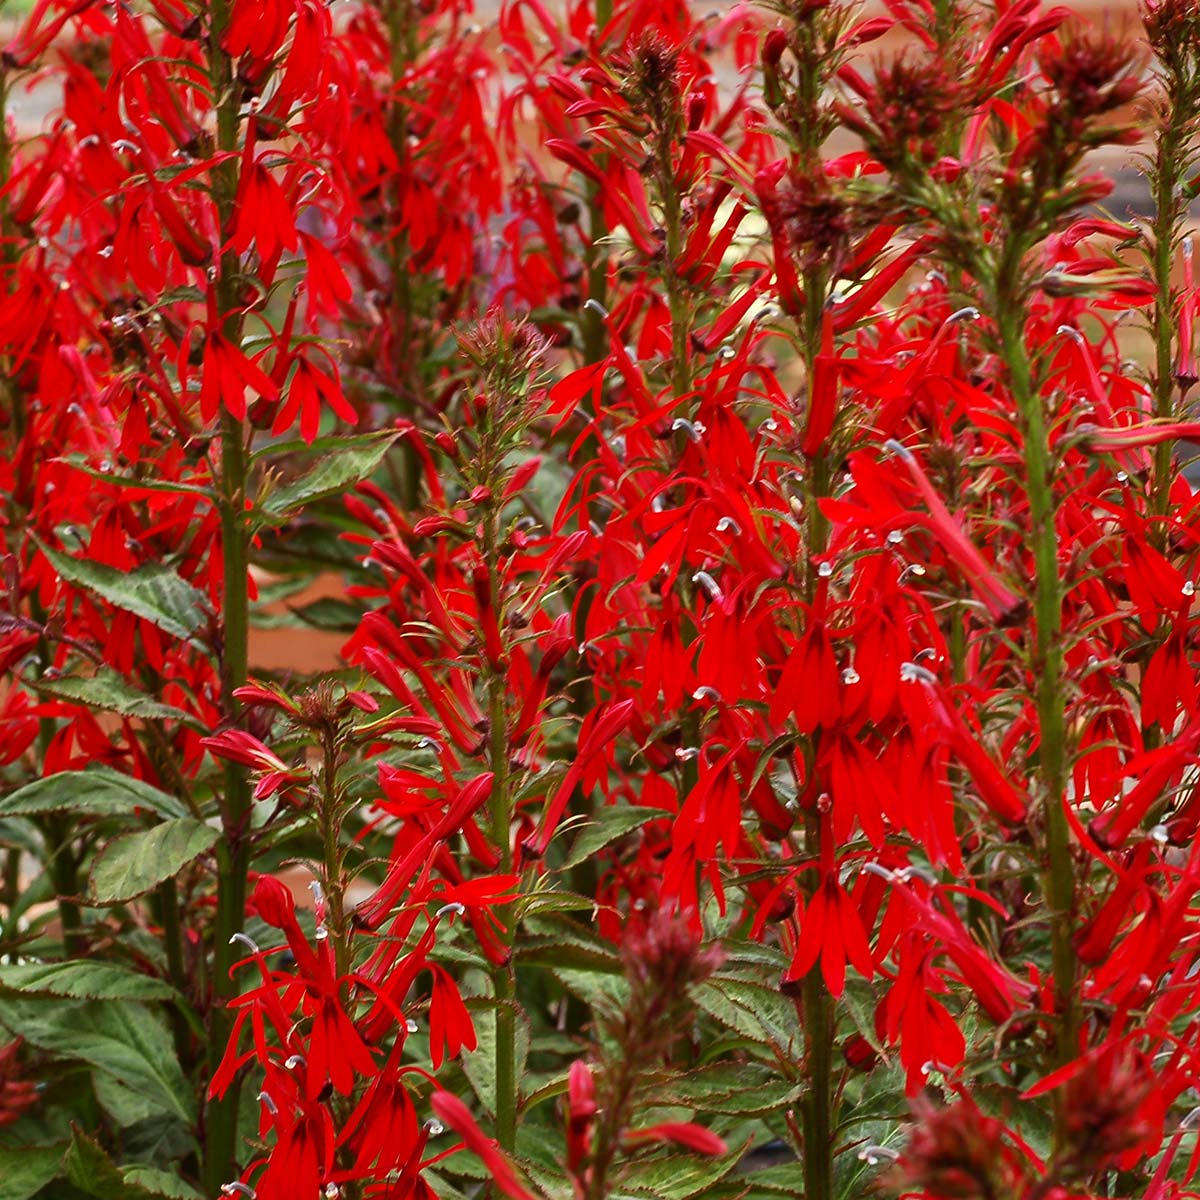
455	1114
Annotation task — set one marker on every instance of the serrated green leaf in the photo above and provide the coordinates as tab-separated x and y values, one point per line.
79	463
126	1107
556	1087
479	1065
352	460
129	866
25	1170
81	979
335	616
731	1089
677	1176
551	942
154	592
94	1173
857	1000
128	1040
96	792
605	826
551	901
107	690
753	1010
20	834
784	1179
160	1183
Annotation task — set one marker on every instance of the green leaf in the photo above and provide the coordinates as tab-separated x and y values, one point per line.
732	1089
757	1012
108	691
606	826
97	792
353	459
154	592
25	1170
549	900
784	1179
132	481
131	865
128	1040
81	979
93	1172
123	1105
336	616
479	1065
160	1183
557	942
676	1177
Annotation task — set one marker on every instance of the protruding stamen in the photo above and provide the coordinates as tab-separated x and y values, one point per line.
452	907
244	939
911	672
969	313
268	1102
709	584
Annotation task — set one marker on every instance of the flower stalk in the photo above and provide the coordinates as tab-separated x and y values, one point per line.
233	854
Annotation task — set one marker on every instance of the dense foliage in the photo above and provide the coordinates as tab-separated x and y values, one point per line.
736	459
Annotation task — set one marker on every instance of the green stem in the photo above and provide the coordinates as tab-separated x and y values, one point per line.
167	899
1058	867
64	872
1168	214
677	297
503	977
221	1118
329	819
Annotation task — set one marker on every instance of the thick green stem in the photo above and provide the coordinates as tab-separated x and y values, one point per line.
329	818
677	294
503	977
816	1004
167	900
1168	215
64	872
1057	868
221	1118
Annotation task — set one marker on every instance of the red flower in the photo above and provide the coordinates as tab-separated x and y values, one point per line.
454	1112
681	1133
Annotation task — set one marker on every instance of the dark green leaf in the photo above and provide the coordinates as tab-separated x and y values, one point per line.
97	792
25	1170
132	481
352	460
337	616
733	1089
154	592
129	866
108	691
550	901
128	1040
676	1177
93	1172
786	1179
606	825
479	1065
82	979
753	1010
160	1183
